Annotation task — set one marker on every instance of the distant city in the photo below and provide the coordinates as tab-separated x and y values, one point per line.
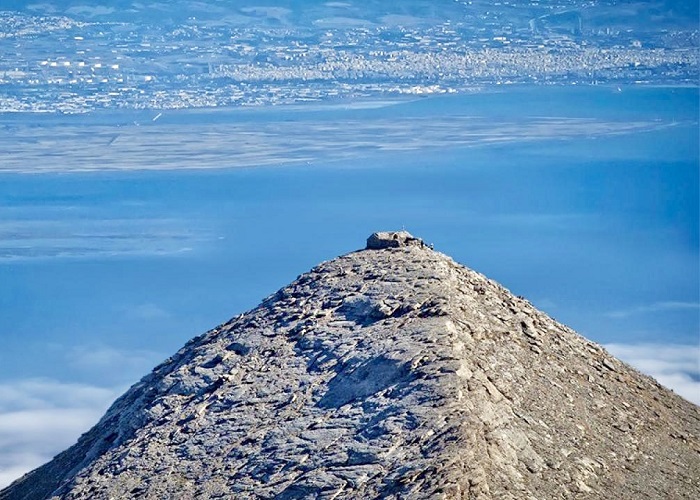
80	58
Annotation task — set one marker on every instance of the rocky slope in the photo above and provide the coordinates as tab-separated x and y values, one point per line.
386	373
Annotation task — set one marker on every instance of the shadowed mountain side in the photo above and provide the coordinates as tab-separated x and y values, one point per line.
392	372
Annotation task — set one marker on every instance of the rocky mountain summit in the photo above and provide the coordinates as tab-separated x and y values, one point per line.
391	372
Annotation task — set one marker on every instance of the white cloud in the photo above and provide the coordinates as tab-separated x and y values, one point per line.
655	307
41	417
277	143
674	366
129	364
76	237
149	311
37	427
39	393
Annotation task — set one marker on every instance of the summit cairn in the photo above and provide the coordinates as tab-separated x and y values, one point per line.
386	374
392	239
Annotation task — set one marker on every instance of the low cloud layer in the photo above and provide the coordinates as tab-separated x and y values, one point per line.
243	143
102	360
655	308
41	417
57	237
674	366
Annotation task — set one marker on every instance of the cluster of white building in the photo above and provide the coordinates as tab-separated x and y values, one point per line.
76	67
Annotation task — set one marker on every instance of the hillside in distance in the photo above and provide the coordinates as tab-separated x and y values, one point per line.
390	372
562	14
72	56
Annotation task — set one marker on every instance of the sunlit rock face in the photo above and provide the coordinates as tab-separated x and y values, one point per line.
391	372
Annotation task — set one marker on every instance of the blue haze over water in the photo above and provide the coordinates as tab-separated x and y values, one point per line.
599	229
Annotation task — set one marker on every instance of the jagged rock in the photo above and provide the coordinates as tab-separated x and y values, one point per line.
390	373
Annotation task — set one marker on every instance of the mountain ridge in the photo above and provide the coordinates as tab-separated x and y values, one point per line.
388	372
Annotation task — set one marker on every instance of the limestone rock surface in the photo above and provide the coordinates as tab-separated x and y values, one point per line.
388	373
